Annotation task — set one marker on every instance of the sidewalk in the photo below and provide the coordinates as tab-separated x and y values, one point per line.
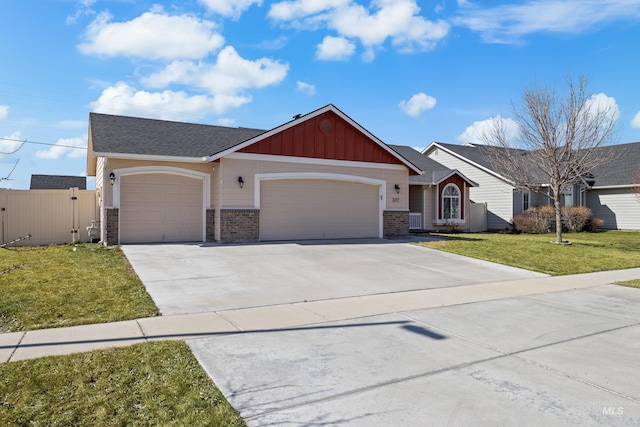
32	344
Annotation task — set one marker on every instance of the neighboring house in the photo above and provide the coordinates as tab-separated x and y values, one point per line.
439	198
611	197
319	176
57	182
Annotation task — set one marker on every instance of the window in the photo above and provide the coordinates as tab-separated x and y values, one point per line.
451	202
566	198
526	197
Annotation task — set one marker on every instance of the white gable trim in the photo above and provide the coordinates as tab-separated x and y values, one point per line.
306	117
472	163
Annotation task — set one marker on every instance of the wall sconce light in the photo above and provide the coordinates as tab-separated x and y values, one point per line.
112	178
241	181
397	187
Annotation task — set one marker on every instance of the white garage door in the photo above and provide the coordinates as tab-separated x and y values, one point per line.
318	209
160	208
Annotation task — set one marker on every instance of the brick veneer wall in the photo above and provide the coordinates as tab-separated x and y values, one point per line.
111	229
395	224
239	225
210	226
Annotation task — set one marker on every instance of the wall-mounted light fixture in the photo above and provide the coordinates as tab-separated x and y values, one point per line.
241	181
397	187
112	178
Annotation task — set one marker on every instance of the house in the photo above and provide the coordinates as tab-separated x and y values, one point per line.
611	197
439	198
57	182
318	176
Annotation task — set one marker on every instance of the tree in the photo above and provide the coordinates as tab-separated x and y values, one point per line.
559	140
11	150
636	182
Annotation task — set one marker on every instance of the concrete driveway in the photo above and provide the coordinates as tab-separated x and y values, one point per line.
194	278
554	359
483	353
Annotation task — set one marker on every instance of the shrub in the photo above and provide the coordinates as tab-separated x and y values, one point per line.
544	217
574	218
593	224
524	223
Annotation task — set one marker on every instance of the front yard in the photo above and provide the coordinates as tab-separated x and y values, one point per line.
155	383
589	252
66	285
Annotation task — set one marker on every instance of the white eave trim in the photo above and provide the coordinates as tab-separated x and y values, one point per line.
453	153
612	187
306	117
126	156
313	161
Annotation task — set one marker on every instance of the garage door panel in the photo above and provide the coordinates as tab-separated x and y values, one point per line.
160	208
318	209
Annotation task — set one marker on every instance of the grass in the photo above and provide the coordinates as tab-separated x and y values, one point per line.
630	283
589	252
65	285
156	383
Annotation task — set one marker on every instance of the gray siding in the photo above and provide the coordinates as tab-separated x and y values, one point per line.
619	208
497	194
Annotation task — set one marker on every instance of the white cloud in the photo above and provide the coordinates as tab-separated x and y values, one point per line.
296	9
605	104
83	8
229	8
64	148
11	142
152	35
395	20
635	123
123	99
418	103
306	88
230	74
4	111
227	121
508	23
335	49
473	134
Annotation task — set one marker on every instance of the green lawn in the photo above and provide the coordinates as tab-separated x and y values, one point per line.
65	285
630	283
156	383
589	252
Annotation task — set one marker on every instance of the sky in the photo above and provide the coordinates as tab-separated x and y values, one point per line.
410	72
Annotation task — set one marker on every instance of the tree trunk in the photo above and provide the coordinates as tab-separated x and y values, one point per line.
558	208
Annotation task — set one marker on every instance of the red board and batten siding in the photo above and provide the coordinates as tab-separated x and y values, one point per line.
327	136
453	179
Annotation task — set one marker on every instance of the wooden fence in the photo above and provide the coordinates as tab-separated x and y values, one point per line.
49	216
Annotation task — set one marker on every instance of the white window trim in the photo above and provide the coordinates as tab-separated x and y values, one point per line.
528	194
459	218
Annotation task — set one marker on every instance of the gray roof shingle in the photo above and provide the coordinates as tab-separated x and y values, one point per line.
626	159
57	182
133	135
433	171
620	171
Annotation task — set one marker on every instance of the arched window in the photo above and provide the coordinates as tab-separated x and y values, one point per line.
451	202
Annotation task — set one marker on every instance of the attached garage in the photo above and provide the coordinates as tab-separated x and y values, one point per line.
298	209
160	207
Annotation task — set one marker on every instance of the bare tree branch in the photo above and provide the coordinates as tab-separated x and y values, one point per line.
8	176
560	140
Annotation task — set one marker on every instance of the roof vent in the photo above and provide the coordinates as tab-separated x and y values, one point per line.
297	116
